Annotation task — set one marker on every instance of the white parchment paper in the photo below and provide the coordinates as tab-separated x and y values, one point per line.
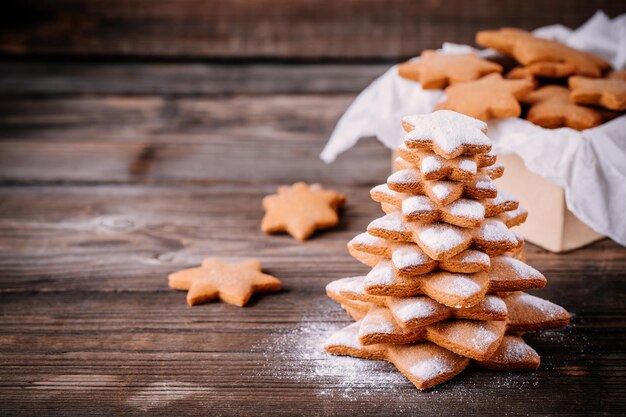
590	165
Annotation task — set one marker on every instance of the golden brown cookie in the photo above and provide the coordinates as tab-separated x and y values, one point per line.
446	133
233	283
551	107
426	364
490	97
618	75
437	70
543	70
609	93
300	209
528	49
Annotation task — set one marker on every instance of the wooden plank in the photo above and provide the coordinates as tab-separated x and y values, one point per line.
89	327
310	29
116	138
18	77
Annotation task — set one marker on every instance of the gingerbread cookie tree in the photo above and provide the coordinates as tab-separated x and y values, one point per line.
448	273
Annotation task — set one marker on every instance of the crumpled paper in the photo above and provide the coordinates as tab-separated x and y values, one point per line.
590	165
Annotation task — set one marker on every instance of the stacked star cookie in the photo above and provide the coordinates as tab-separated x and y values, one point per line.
448	273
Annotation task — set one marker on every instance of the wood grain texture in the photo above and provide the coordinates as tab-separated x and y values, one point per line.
308	29
105	190
154	138
89	326
39	77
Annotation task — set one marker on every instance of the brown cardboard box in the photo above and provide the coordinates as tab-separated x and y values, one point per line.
550	224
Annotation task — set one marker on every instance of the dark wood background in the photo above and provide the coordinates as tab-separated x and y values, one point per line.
137	137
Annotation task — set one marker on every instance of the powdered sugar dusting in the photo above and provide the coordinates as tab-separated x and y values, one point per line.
468	165
408	255
521	269
414	308
442	190
417	204
448	129
297	355
496	231
548	309
441	237
366	239
494	304
431	164
485	184
483	338
384	189
516	350
462	286
467	208
429	368
404	176
392	222
381	274
473	256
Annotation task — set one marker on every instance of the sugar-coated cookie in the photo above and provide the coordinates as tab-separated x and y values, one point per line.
426	364
301	209
491	97
436	70
446	133
233	283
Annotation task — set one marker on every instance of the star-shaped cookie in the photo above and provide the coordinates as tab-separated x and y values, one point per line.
528	49
300	209
437	70
446	133
551	107
490	97
233	283
609	93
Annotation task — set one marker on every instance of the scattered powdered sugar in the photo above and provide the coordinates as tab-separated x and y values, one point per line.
462	286
297	355
408	255
430	368
381	274
345	337
441	237
414	308
448	129
442	190
496	231
514	213
468	165
392	221
430	164
521	269
418	203
467	208
404	176
483	338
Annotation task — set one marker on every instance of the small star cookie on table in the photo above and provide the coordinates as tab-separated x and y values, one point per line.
233	283
436	70
301	209
490	97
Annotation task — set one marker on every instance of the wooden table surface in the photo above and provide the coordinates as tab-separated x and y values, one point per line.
116	174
